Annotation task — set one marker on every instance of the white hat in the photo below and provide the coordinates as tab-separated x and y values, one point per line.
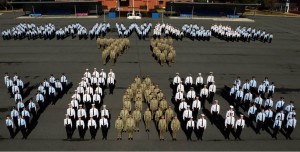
241	115
80	105
102	69
86	69
202	115
177	73
199	73
93	104
231	106
104	106
210	72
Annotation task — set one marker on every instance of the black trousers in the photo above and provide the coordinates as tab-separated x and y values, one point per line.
259	125
238	132
189	133
203	98
214	116
23	130
81	132
211	96
289	131
111	88
69	131
93	131
228	130
11	131
200	133
275	131
104	130
195	113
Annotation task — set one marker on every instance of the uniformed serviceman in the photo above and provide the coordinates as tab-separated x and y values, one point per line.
203	95
290	126
201	126
129	127
229	125
175	126
276	127
196	106
162	127
119	127
103	124
239	125
80	125
147	119
137	116
169	113
260	120
10	126
22	125
68	126
92	125
190	125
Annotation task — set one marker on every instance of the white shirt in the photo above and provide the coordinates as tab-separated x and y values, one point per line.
201	123
104	112
229	112
188	79
199	80
210	78
80	123
86	98
189	124
187	114
240	122
182	106
110	80
102	122
212	88
71	112
229	121
176	79
179	96
92	123
94	112
67	121
180	88
196	104
215	108
81	113
191	94
204	91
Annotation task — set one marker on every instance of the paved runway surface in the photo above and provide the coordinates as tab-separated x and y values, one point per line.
35	60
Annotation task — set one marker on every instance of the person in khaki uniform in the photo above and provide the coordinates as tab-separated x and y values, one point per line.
162	127
147	119
129	127
124	115
175	126
137	116
169	114
119	127
147	80
160	95
158	114
138	95
169	58
130	92
147	93
133	87
126	97
163	104
104	56
153	105
112	56
162	58
127	105
139	103
138	80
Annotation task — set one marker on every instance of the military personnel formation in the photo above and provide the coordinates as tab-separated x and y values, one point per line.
23	117
142	30
99	30
86	110
112	48
167	30
257	100
240	33
194	32
163	50
144	93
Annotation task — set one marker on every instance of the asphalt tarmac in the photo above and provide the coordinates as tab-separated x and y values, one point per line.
35	60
